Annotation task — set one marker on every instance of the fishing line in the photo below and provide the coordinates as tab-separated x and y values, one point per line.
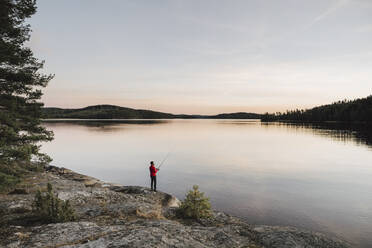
165	158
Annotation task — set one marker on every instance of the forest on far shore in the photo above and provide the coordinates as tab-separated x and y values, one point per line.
359	110
117	112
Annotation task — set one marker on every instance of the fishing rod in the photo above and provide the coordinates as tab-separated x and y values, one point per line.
165	158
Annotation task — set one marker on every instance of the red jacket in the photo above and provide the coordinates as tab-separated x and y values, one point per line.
153	171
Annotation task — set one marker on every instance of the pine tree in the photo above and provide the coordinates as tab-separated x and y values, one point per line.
195	205
20	87
49	208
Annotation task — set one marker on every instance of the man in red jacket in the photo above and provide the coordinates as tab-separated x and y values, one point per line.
153	172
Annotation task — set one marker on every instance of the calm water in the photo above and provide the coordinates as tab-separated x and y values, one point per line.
314	177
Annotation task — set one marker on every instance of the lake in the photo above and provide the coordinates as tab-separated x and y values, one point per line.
317	177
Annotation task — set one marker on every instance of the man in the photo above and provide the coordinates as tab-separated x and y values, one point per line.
153	172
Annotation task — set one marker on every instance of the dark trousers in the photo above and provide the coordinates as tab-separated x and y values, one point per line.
153	182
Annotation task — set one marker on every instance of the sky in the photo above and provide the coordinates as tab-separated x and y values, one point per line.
204	56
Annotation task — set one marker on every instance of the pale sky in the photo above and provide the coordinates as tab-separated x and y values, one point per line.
204	56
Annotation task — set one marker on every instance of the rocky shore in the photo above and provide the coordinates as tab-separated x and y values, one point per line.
112	215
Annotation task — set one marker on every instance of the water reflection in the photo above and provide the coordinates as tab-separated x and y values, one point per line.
105	122
102	125
360	134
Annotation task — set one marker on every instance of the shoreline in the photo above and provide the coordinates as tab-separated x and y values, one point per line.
115	215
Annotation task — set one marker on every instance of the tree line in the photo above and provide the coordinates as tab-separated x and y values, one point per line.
359	110
117	112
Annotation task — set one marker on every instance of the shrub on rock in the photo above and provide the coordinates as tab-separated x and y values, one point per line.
51	209
195	205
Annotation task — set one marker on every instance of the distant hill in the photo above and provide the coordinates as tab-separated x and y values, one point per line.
359	110
116	112
103	112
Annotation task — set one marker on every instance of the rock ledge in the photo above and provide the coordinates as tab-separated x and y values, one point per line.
113	215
